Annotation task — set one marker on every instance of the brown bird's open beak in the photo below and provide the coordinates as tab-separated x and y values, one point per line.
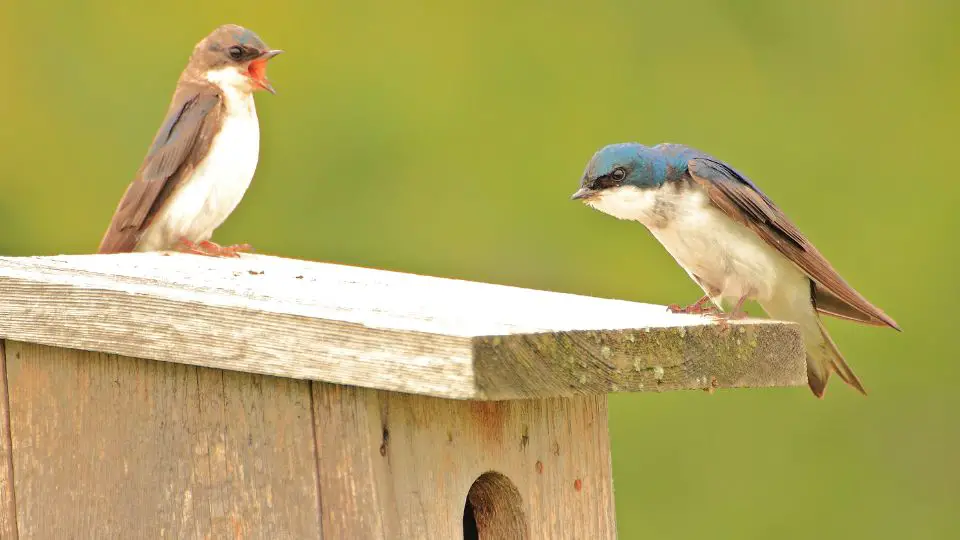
583	193
270	54
258	70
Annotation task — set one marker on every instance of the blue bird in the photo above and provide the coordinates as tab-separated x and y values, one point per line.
732	240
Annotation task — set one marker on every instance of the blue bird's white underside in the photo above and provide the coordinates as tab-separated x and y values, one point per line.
205	200
725	258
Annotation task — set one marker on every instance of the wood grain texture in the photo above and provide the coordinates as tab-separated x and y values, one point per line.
401	466
8	503
356	500
127	448
381	329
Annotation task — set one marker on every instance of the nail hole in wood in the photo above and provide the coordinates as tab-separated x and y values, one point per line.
494	509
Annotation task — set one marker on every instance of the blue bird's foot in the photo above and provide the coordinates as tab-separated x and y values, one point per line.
700	307
731	316
736	314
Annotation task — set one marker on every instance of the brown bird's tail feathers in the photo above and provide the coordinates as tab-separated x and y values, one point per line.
823	358
115	242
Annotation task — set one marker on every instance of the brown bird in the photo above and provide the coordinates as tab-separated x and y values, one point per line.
203	157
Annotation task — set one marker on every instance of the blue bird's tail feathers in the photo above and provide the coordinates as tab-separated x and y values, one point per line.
824	357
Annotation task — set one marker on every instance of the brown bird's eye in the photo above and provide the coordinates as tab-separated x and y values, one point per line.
618	174
235	52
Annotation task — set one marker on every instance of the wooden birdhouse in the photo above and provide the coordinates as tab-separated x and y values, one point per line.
180	396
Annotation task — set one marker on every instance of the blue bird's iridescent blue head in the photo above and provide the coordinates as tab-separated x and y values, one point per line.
623	164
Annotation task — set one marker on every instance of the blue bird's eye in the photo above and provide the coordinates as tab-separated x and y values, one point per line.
618	174
235	52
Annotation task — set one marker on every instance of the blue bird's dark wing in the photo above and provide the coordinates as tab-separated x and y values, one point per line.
181	142
739	198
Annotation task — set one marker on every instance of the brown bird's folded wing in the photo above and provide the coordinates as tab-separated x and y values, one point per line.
183	138
738	198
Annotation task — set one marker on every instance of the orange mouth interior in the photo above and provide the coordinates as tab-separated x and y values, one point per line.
258	71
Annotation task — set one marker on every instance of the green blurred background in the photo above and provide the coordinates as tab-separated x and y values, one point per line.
445	138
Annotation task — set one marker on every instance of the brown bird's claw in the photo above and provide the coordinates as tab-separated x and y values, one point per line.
187	246
212	249
216	250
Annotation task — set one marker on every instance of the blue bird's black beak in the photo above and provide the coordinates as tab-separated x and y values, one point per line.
582	193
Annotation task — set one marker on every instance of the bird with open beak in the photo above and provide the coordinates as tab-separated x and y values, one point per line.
203	157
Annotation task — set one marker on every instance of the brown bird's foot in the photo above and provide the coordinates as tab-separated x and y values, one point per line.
186	246
216	250
211	249
700	307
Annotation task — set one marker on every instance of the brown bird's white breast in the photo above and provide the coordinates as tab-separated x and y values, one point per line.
205	199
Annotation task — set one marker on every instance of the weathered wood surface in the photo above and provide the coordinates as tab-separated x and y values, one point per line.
8	508
401	466
114	447
381	329
121	447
